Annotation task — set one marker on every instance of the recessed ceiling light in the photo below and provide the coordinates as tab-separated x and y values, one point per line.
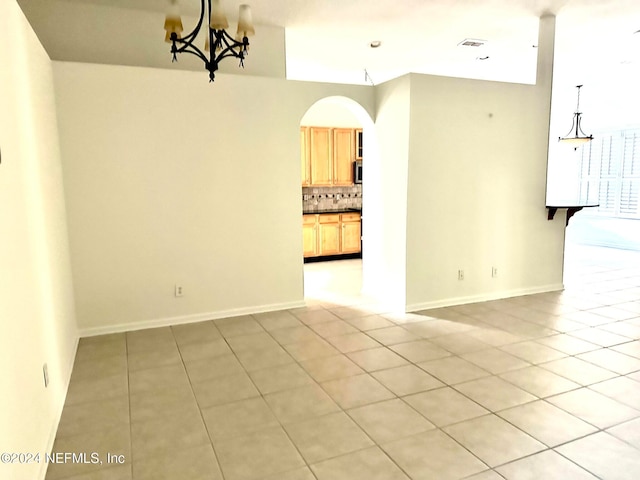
375	44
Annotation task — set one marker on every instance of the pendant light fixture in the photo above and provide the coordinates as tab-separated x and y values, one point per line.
576	136
224	45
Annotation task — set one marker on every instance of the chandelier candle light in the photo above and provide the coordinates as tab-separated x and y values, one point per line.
224	45
578	137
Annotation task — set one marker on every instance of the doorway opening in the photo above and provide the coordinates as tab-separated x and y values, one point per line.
335	141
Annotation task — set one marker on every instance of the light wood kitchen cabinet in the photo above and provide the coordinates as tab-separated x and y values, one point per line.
328	234
304	157
309	236
327	155
359	144
350	231
321	156
344	151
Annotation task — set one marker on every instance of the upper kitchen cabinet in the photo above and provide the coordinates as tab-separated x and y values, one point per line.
358	144
327	155
321	156
344	151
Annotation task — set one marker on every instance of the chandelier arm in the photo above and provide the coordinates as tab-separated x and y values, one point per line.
192	36
193	51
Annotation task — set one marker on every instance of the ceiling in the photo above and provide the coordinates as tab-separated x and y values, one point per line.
329	40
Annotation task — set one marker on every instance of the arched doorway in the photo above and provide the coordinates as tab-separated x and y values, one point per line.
340	278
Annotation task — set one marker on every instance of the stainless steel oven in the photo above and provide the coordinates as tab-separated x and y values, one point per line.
357	171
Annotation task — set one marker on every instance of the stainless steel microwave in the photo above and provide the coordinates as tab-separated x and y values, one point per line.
357	171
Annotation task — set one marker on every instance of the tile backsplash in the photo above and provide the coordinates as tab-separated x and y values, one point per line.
331	198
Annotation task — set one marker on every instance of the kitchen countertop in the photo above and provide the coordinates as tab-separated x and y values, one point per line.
342	210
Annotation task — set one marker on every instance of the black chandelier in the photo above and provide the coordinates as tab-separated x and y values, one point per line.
224	45
576	136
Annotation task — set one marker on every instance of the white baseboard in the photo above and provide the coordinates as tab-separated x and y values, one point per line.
483	297
54	428
198	317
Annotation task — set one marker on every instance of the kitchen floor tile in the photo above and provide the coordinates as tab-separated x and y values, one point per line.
214	367
621	389
300	403
628	432
197	463
539	382
594	408
330	368
406	380
197	351
545	465
195	333
328	436
368	464
94	416
352	342
257	455
300	333
332	329
309	349
432	455
547	423
226	389
567	344
452	370
284	377
114	441
377	359
238	418
253	360
612	360
231	327
494	394
420	351
277	320
578	371
605	456
161	378
495	361
392	335
161	436
369	322
493	440
252	341
599	337
445	406
350	392
460	343
389	420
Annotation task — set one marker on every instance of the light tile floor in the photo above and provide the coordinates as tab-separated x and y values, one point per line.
537	387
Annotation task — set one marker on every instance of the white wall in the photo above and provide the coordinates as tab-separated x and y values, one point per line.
385	195
476	190
171	180
37	322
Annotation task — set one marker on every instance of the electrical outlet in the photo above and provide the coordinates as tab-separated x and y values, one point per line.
494	272
45	374
178	291
460	274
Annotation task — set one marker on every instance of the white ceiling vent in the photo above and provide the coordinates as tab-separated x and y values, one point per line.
472	42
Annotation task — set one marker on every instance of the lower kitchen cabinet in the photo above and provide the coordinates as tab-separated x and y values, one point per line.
309	236
329	234
350	233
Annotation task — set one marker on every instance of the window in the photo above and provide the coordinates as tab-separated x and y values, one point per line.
610	173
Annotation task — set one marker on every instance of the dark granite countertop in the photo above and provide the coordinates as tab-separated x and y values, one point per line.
342	210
